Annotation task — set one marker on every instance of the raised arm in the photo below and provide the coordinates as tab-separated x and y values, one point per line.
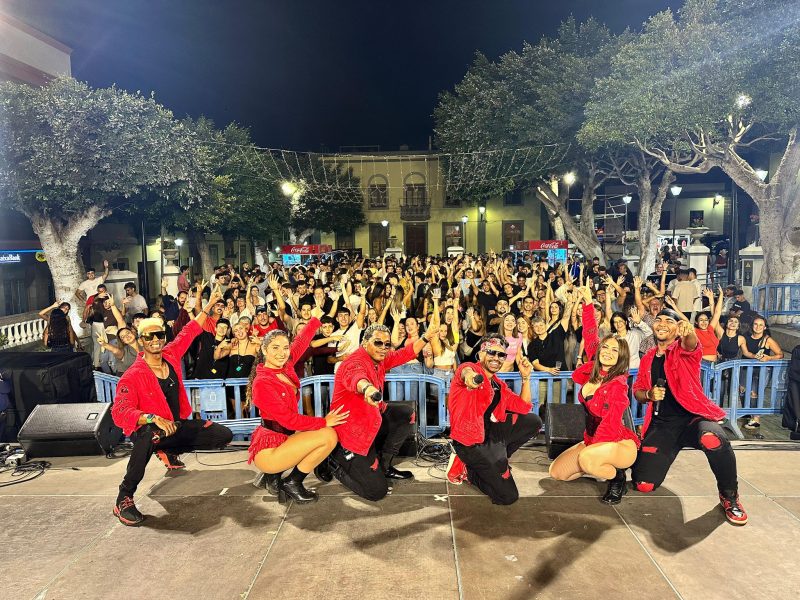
590	338
45	312
714	324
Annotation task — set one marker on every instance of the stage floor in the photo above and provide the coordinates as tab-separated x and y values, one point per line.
210	534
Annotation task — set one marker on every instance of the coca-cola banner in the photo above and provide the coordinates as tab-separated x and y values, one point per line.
544	245
306	249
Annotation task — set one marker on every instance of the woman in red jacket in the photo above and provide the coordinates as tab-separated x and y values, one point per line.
608	447
286	438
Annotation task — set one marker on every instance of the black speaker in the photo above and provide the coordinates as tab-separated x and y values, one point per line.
69	430
565	424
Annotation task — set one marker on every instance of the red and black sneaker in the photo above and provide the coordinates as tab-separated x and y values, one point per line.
171	461
456	470
733	509
127	513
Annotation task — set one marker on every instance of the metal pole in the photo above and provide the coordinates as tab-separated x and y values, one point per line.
734	253
674	221
144	287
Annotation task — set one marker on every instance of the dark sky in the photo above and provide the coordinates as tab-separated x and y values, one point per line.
304	73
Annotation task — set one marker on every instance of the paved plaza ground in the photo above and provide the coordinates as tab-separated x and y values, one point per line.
210	534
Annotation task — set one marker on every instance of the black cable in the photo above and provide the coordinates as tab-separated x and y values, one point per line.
25	472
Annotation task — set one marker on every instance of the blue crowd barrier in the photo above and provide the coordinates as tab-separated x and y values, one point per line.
728	384
774	299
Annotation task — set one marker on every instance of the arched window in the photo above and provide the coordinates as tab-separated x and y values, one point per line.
415	190
378	192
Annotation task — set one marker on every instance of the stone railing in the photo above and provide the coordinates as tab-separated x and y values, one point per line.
21	329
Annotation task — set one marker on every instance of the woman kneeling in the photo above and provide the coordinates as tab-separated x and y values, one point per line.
286	438
608	447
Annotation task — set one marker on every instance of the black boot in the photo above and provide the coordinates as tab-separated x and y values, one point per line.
323	471
616	489
268	481
292	487
390	472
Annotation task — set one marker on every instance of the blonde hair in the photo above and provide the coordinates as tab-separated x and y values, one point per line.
148	323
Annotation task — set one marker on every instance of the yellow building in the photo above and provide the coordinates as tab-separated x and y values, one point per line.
406	205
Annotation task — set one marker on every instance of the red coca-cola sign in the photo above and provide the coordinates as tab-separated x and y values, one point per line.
306	249
545	245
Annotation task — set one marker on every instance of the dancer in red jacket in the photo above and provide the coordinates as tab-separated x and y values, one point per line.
286	438
152	408
679	414
375	429
484	434
608	447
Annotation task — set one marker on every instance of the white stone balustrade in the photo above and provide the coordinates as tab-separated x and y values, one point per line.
22	329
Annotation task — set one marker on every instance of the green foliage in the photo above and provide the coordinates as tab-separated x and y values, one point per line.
337	207
66	147
684	74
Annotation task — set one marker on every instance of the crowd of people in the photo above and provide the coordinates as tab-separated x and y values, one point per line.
463	319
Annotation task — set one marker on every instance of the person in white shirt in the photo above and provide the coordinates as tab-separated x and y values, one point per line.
88	287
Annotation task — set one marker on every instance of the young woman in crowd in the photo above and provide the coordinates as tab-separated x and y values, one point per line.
707	328
633	333
608	447
761	346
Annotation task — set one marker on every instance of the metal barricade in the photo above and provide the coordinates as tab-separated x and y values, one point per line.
774	299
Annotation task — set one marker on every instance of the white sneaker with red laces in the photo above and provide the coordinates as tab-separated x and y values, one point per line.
456	470
733	509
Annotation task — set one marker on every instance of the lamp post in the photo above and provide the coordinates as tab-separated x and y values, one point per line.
178	244
481	229
385	241
627	200
464	219
676	191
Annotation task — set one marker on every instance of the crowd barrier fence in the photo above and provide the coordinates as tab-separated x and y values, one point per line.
773	299
757	386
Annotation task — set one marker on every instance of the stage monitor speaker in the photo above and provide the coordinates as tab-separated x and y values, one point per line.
565	424
69	430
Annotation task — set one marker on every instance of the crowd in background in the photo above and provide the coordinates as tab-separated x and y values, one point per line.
534	304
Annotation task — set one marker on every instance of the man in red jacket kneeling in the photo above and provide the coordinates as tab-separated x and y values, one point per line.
151	406
489	422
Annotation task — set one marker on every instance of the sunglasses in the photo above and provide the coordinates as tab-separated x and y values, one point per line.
380	344
497	353
148	337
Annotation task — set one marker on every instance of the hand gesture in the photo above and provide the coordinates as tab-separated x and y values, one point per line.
336	417
371	389
126	300
684	328
213	299
636	316
657	393
344	344
524	365
105	264
669	300
273	283
469	379
637	282
316	312
164	282
709	293
587	294
110	301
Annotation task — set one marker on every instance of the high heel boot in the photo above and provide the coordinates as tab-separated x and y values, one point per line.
292	487
268	481
616	488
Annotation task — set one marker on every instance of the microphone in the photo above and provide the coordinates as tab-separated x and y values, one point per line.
376	396
659	383
478	379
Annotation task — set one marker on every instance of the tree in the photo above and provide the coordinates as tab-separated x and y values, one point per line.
242	199
706	88
535	98
71	154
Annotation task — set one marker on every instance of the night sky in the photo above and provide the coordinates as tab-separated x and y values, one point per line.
304	74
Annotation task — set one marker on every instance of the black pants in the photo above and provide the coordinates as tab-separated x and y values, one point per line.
487	463
191	435
364	474
666	438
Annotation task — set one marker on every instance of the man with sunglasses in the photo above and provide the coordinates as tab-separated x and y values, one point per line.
375	430
489	422
151	406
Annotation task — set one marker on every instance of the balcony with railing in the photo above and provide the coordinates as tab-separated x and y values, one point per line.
415	205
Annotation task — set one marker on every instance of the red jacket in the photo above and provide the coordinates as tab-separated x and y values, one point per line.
364	421
610	399
276	400
467	406
138	391
682	368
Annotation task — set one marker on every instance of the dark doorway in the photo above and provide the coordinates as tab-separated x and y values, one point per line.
416	239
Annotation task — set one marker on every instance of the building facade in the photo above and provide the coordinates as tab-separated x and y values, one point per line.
407	206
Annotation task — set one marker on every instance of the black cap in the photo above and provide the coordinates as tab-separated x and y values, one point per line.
668	312
260	309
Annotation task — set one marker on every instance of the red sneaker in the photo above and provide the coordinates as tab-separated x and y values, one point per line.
171	461
456	470
733	509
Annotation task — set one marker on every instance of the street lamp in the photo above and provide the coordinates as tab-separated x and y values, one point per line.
385	223
178	244
569	178
627	200
743	101
762	174
482	212
676	191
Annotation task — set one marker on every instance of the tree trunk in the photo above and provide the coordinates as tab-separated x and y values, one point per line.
60	245
299	238
205	269
581	234
650	217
